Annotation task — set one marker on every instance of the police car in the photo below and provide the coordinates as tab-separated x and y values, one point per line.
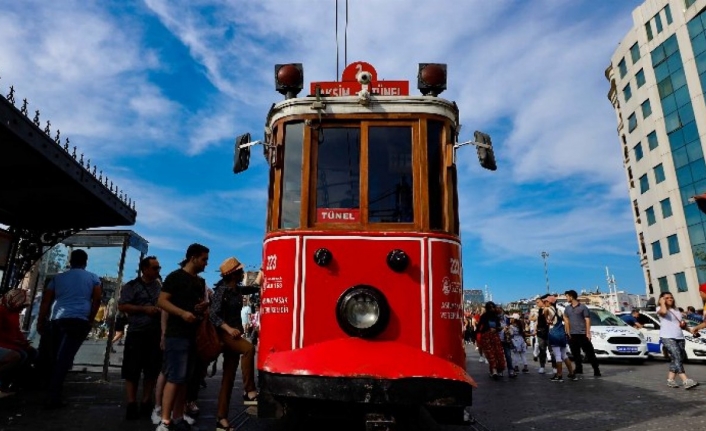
695	346
614	339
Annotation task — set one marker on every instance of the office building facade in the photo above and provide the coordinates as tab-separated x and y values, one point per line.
657	81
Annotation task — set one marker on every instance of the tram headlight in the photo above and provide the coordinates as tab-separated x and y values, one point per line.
431	78
362	311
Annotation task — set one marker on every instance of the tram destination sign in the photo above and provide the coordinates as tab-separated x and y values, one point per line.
352	79
380	88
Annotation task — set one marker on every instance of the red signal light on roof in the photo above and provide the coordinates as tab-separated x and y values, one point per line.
431	78
289	79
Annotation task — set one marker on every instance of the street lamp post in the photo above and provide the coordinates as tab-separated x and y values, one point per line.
545	255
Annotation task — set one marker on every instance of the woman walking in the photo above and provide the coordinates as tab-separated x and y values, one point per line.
519	344
558	342
488	328
226	304
672	335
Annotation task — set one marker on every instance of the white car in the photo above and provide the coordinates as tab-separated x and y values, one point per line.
695	346
614	339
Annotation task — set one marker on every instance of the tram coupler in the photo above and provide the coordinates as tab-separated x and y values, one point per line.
379	422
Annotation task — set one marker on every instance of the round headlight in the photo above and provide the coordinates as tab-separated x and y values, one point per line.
362	311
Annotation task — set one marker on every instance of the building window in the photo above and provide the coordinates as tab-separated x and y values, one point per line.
652	140
627	92
688	3
638	152
635	53
658	24
680	278
640	78
673	243
663	284
650	212
659	173
632	122
656	251
644	184
666	208
646	108
668	14
648	30
623	68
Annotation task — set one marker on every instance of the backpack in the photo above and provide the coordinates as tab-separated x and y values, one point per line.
557	334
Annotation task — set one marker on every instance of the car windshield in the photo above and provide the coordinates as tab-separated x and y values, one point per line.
601	317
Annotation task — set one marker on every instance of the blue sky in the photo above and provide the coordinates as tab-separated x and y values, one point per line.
155	91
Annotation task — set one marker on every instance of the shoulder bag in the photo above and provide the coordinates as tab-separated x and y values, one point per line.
557	334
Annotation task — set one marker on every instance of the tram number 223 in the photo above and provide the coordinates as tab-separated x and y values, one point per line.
271	262
455	266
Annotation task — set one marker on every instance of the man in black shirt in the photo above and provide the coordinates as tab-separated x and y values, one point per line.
183	297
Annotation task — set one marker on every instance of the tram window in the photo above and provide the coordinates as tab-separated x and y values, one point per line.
436	205
292	175
390	182
338	174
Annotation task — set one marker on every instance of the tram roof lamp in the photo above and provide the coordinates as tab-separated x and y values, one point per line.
289	79
431	78
486	155
241	157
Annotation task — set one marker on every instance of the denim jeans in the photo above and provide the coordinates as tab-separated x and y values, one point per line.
67	335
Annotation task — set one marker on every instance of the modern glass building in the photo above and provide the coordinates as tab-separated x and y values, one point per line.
657	81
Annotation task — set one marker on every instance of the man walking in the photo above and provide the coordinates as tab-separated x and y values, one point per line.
578	325
142	354
542	335
69	305
183	297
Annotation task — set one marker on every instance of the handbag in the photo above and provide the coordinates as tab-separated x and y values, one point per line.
207	341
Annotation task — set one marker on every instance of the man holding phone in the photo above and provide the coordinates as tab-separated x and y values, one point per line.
183	298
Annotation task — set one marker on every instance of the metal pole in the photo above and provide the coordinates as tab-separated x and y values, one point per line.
545	255
111	329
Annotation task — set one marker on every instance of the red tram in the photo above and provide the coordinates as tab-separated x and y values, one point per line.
362	299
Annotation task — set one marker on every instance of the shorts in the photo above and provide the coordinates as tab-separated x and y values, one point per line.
179	359
142	355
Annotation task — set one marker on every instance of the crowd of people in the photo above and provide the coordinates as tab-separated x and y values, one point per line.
161	324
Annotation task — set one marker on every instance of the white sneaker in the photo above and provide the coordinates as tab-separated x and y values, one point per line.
156	415
189	420
541	370
689	383
481	360
163	427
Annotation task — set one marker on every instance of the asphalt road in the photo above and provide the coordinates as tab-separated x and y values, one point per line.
627	397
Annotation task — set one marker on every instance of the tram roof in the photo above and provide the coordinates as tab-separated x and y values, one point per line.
43	186
377	105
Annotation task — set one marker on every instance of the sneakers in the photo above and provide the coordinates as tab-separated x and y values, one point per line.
672	384
557	378
690	383
481	360
573	377
188	419
525	370
181	425
541	370
132	412
597	373
156	415
164	427
517	369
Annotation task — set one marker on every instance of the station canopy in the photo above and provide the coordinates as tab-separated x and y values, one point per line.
45	186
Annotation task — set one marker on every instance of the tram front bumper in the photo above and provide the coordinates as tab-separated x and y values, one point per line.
364	371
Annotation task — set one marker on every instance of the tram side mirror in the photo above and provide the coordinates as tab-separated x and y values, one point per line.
486	155
241	157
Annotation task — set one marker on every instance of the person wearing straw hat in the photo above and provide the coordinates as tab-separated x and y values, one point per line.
226	305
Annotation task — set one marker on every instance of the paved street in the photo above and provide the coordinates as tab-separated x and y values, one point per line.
628	397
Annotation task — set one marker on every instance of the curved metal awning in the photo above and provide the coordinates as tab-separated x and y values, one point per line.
45	187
